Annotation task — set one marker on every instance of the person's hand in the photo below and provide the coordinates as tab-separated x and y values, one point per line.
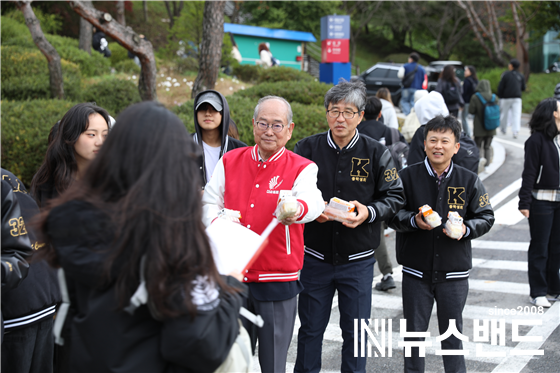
363	213
420	223
322	218
464	231
293	219
525	213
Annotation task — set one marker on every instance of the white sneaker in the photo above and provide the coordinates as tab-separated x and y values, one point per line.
541	302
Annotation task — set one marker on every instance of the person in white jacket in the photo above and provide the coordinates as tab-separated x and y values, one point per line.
387	110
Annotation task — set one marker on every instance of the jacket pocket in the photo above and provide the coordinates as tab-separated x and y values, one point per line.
540	174
288	247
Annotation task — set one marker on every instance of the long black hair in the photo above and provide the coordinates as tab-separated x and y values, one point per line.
543	119
473	75
59	165
448	74
145	178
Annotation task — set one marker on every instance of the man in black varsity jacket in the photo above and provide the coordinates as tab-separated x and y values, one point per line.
339	256
435	266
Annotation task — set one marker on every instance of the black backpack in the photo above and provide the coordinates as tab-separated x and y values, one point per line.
451	94
409	78
468	154
398	149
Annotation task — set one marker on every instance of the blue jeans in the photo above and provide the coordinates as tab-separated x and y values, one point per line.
544	250
407	99
353	281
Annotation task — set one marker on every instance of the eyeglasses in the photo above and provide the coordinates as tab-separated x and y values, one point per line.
276	127
345	114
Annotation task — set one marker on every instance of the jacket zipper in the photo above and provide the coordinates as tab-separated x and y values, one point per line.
288	247
540	174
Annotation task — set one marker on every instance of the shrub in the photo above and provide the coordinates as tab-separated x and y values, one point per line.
112	94
118	53
127	66
15	33
247	73
186	64
25	129
493	76
308	119
283	74
68	49
308	92
25	75
50	23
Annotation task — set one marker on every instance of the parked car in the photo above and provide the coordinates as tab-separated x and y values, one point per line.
434	69
383	74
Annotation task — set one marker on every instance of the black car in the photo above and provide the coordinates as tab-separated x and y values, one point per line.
383	74
434	69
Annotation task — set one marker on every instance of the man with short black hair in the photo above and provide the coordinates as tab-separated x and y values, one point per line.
509	91
435	265
412	75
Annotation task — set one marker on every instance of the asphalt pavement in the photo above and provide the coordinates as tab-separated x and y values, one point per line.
530	341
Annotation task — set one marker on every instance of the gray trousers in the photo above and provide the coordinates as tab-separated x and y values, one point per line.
276	334
382	255
418	301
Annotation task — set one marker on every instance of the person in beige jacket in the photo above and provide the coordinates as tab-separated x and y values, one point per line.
482	137
411	122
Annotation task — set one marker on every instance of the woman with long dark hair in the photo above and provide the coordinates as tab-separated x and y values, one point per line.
450	88
129	235
74	142
539	201
469	88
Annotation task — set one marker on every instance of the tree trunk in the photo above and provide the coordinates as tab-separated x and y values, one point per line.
53	59
145	10
85	33
211	46
129	40
521	43
170	14
120	13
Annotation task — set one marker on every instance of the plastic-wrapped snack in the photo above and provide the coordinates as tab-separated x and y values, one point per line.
454	225
339	210
231	215
430	216
288	205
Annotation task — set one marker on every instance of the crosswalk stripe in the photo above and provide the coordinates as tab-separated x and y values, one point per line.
508	214
511	265
500	245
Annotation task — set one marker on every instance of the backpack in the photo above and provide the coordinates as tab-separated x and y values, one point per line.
409	78
491	113
468	154
451	94
398	149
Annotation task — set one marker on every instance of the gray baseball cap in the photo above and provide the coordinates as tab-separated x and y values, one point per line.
211	98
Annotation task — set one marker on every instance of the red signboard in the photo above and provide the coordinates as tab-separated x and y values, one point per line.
335	50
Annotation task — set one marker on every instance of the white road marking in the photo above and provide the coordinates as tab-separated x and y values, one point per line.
508	214
511	265
500	245
521	146
506	192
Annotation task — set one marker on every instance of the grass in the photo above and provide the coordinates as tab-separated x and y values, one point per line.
539	87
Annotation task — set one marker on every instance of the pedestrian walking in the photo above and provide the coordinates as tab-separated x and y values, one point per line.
511	85
482	136
469	87
450	88
148	294
412	75
539	201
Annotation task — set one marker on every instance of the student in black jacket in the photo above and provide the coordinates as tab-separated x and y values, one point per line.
539	201
28	309
129	235
339	256
435	266
510	88
211	124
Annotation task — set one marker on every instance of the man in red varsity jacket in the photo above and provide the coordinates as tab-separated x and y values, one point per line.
249	180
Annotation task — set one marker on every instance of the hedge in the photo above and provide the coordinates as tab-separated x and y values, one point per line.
308	119
128	67
118	53
25	129
112	94
308	92
25	75
257	74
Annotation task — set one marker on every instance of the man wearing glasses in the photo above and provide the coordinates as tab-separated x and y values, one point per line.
339	256
249	180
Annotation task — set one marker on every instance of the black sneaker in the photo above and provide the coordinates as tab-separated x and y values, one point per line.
386	284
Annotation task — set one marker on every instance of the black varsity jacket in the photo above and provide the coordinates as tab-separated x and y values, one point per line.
363	171
431	255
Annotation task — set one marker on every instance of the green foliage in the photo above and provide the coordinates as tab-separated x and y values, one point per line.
308	119
186	35
305	92
50	23
247	73
187	64
127	66
493	75
113	95
25	75
539	87
25	129
68	49
283	74
15	33
118	53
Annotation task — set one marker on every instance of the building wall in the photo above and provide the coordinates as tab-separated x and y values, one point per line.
544	51
285	50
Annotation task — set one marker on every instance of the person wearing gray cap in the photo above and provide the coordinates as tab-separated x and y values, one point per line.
211	123
509	91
